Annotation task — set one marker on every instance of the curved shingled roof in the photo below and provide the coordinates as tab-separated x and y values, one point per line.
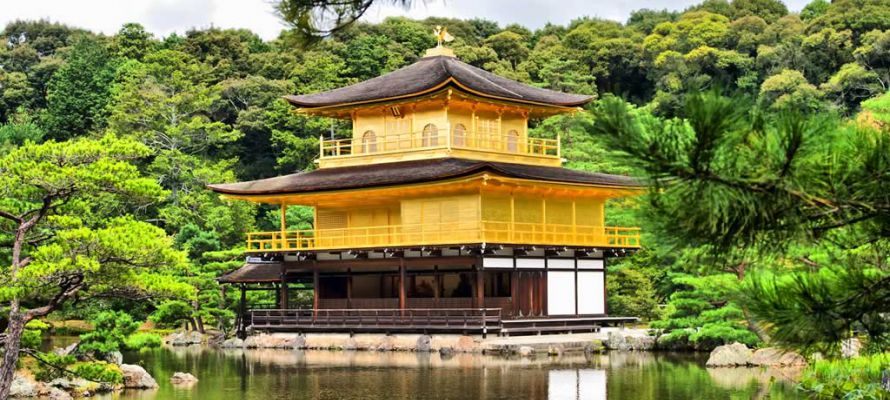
431	73
408	172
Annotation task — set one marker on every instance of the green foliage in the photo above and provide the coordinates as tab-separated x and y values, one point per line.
854	378
632	292
53	366
142	340
699	316
171	313
98	371
78	92
110	331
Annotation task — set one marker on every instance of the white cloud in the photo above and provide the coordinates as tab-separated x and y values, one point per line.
163	17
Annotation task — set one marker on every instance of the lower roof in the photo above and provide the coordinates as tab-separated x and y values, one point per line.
412	172
253	273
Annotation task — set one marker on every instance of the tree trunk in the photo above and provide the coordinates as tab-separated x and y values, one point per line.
11	356
200	323
192	323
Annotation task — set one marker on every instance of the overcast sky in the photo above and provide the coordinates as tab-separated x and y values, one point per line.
163	17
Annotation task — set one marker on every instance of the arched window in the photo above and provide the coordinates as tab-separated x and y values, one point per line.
430	135
369	142
513	141
460	135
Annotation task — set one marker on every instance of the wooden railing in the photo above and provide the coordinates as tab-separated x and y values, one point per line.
443	234
442	319
444	138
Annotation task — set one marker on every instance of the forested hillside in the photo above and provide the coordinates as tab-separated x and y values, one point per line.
155	119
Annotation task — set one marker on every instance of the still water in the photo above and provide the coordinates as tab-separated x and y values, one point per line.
286	374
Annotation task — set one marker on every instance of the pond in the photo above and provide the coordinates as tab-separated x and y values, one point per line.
293	374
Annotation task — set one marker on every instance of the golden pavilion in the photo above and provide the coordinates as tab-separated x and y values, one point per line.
439	214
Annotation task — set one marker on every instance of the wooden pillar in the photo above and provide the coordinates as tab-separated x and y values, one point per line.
242	307
437	285
514	290
348	287
403	293
315	289
283	295
283	225
480	288
530	287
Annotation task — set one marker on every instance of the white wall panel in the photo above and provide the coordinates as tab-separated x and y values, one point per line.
590	264
591	292
497	262
561	263
560	292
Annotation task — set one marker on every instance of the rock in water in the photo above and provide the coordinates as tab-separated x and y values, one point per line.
423	343
730	355
58	394
183	378
775	357
526	351
135	377
233	343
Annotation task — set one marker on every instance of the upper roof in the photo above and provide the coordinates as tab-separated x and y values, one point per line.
431	73
408	172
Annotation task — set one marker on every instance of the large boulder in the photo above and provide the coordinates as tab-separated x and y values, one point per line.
730	355
23	386
424	343
233	343
58	394
185	338
466	344
775	357
619	341
79	386
136	377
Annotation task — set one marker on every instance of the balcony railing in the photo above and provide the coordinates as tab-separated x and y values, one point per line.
441	138
444	234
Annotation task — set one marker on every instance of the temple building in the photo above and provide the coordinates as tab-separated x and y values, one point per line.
440	213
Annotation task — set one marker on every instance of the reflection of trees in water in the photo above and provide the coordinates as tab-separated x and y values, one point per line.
263	374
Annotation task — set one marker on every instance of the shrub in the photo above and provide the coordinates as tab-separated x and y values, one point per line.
851	379
111	330
142	340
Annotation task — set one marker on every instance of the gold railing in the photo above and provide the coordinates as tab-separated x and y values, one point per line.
444	234
445	138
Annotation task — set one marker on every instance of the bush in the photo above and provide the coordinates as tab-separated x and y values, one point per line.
111	331
851	379
45	373
699	316
98	371
142	340
170	313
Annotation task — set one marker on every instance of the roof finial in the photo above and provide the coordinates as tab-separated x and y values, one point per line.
442	37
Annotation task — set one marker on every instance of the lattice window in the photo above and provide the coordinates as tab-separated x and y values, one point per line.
331	220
